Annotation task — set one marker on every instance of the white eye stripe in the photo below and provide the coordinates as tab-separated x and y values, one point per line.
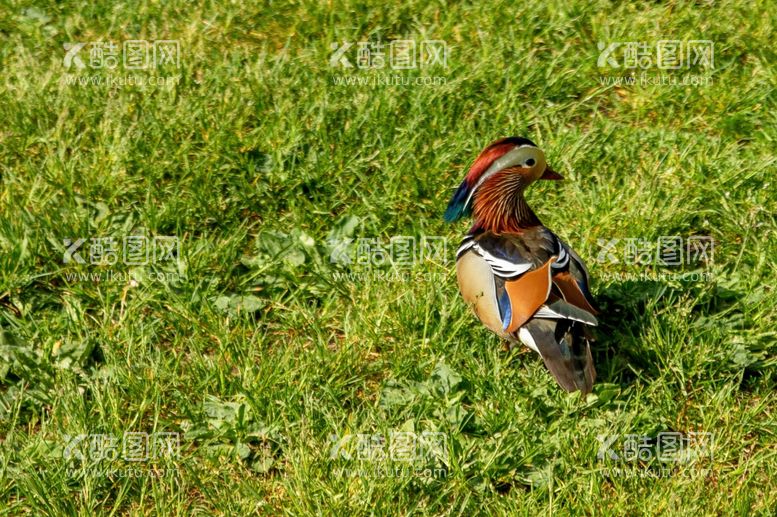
509	159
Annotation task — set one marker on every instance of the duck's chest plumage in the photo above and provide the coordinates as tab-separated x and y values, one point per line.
478	288
484	262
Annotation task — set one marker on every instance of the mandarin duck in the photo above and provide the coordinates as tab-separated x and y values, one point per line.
522	281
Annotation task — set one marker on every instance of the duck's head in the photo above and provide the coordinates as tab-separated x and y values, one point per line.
506	166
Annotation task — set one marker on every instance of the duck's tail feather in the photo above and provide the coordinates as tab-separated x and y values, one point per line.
566	351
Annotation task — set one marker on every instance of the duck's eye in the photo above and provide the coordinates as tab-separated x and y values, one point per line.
530	162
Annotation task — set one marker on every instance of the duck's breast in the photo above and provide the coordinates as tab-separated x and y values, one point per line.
477	287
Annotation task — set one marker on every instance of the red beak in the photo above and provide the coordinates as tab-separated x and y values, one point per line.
550	174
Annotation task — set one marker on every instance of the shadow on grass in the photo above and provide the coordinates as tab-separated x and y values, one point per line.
629	309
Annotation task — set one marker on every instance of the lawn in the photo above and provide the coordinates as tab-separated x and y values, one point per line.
226	287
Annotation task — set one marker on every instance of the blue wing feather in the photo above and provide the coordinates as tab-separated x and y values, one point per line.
505	310
456	207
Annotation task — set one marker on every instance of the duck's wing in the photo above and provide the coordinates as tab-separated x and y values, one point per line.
527	275
528	287
574	279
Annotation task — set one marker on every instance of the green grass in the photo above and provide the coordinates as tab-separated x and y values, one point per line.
256	348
